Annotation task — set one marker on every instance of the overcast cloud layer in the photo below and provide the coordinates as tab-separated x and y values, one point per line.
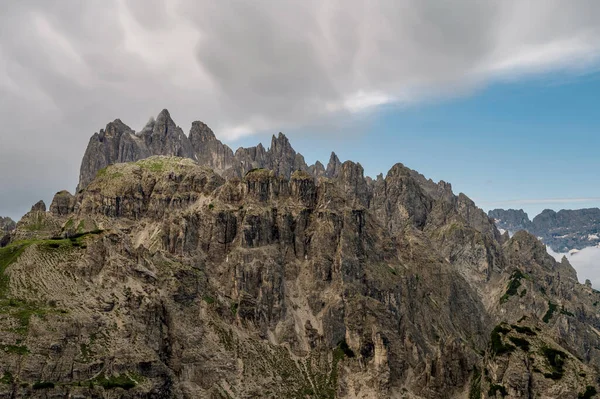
69	67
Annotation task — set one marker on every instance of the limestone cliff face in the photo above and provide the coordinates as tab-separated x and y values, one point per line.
163	278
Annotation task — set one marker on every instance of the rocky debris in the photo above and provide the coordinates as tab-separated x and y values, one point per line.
6	224
562	231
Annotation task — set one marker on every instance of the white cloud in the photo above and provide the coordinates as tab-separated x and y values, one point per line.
586	262
243	67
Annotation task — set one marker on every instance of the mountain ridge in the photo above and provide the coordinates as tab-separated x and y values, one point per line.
563	231
118	143
164	277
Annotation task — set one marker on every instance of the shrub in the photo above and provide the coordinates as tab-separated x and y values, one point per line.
43	385
551	309
520	342
556	360
590	391
497	388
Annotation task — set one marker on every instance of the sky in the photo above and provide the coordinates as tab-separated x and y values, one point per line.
498	98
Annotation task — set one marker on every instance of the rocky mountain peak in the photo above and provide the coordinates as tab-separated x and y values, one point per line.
39	206
201	133
6	224
333	166
63	203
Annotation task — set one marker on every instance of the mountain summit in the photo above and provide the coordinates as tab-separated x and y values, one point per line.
198	274
118	143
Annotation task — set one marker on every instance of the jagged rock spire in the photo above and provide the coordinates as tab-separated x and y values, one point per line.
333	167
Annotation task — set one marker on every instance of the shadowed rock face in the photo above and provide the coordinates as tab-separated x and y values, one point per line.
562	231
175	281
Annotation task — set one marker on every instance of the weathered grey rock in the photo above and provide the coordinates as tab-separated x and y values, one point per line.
317	170
6	224
333	166
116	143
62	204
163	137
210	151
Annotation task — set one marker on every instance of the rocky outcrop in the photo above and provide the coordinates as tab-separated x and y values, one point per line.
210	151
562	231
62	204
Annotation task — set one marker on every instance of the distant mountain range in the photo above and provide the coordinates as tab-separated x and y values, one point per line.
562	231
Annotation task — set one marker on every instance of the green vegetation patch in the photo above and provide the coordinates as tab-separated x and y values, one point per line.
15	349
22	311
301	175
9	255
513	285
497	346
258	174
43	385
475	389
524	330
551	309
12	252
566	312
7	378
589	393
116	381
497	388
520	342
556	360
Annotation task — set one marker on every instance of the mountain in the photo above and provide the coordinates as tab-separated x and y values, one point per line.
161	136
562	231
6	224
168	278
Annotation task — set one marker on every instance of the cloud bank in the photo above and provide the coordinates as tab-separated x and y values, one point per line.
66	68
586	262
